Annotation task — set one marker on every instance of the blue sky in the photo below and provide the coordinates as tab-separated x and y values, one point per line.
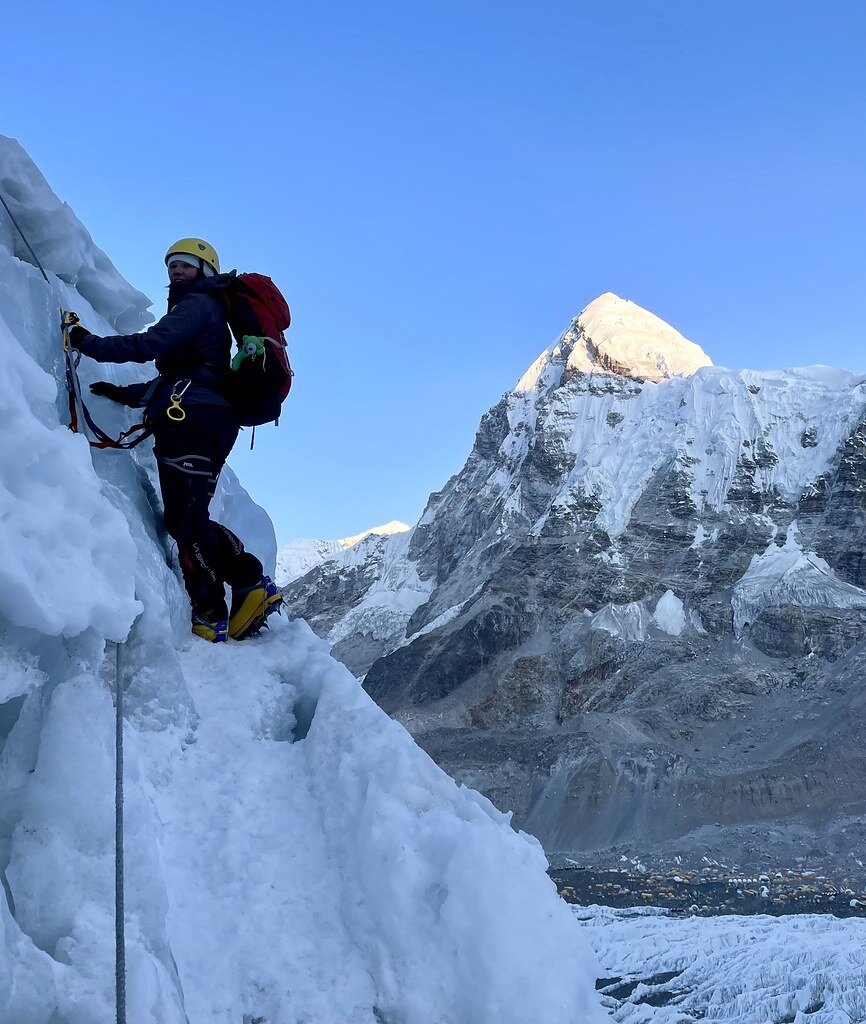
438	188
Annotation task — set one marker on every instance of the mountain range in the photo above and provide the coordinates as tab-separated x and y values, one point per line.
636	617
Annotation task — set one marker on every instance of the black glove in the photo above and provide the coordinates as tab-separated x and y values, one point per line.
106	389
76	335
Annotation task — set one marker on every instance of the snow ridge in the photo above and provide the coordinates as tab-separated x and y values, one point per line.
62	243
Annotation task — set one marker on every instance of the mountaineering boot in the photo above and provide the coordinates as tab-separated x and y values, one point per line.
251	606
211	625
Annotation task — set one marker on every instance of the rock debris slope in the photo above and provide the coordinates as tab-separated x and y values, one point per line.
636	617
291	855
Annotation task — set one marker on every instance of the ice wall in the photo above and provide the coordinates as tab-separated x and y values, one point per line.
291	854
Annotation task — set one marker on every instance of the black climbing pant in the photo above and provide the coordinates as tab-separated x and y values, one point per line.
190	455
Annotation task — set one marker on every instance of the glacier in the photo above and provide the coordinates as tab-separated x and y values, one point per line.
291	854
661	968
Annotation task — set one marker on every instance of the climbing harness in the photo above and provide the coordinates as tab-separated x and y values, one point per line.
119	938
174	411
78	411
71	357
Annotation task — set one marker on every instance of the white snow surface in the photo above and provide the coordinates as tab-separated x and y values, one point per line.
296	558
291	855
785	574
802	968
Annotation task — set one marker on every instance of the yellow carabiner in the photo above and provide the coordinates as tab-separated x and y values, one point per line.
174	411
68	319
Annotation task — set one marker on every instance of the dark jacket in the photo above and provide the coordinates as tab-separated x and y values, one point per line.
190	343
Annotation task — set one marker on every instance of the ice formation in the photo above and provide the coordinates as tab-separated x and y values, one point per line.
785	574
291	854
669	614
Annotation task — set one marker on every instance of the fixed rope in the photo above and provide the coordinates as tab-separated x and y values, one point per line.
23	237
77	409
103	441
119	938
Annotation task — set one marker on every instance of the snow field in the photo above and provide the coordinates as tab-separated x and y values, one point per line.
253	890
438	900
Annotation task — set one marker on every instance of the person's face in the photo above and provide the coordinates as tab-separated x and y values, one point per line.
180	271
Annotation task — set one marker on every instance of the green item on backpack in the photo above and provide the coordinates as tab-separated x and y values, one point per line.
250	349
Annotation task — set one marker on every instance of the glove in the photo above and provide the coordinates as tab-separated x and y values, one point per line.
76	335
106	389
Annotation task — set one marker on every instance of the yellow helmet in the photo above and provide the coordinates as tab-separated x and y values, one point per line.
195	247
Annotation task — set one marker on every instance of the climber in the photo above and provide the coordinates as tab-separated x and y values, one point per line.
194	428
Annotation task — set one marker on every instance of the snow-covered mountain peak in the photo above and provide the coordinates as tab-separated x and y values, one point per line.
615	335
388	530
622	337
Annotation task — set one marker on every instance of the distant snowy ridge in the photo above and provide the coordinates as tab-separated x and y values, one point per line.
396	593
299	556
388	530
291	855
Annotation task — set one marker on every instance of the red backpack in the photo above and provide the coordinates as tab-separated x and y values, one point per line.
261	375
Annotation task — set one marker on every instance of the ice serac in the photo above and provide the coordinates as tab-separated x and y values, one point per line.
291	855
635	617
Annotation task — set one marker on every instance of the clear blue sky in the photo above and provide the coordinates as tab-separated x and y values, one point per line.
438	188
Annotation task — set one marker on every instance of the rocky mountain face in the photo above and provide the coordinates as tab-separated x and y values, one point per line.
637	616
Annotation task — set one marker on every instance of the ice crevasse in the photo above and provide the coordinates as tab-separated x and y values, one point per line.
291	855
